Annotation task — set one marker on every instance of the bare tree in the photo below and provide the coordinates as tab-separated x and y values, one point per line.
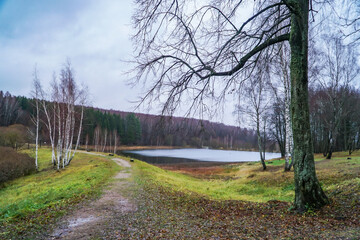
62	117
281	70
350	20
82	96
36	93
340	70
186	46
255	103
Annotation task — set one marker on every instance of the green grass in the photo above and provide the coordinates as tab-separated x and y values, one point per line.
242	188
249	183
50	190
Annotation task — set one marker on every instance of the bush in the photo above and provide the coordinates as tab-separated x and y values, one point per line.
14	164
13	136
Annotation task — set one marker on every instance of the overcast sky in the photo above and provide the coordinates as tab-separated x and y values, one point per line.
93	34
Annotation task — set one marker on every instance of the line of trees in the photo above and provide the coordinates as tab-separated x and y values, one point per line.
105	131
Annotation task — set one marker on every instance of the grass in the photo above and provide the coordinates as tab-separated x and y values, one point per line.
38	198
242	188
203	204
180	202
246	181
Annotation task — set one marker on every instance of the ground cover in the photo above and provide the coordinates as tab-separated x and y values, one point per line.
247	181
188	203
29	203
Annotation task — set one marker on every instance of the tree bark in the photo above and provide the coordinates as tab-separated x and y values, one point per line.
308	192
37	131
262	158
330	151
288	128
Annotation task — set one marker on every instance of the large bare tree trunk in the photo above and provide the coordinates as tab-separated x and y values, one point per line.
308	192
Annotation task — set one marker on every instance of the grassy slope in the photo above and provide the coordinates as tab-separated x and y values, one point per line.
248	182
31	201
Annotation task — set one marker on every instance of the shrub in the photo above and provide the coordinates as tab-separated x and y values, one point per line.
14	164
13	136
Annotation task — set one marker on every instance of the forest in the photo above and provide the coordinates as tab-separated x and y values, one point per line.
332	131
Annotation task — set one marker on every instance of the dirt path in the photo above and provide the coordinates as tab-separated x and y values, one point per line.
87	222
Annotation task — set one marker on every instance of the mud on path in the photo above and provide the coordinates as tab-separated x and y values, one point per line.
87	222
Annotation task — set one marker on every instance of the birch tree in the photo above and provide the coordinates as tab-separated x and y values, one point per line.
200	51
63	117
36	119
281	69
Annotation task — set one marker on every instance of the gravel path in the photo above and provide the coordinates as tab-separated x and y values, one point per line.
87	222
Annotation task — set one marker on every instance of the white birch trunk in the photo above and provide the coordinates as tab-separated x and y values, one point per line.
36	119
37	135
287	99
50	129
288	133
59	145
72	130
79	133
67	136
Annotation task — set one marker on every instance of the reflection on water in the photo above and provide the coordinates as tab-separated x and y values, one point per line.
172	156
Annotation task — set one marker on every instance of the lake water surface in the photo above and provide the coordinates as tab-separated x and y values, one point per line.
166	156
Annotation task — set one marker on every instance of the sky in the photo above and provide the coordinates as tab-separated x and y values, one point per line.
94	35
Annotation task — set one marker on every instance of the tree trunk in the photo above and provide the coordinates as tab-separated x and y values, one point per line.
260	143
308	192
37	133
329	154
79	133
288	131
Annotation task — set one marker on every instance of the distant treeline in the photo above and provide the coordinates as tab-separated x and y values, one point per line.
335	124
107	129
178	131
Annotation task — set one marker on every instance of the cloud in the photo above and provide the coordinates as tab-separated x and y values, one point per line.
93	34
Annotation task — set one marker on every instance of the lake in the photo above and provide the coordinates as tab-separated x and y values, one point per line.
168	156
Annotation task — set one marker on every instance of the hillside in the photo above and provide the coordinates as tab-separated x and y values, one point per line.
105	129
161	130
